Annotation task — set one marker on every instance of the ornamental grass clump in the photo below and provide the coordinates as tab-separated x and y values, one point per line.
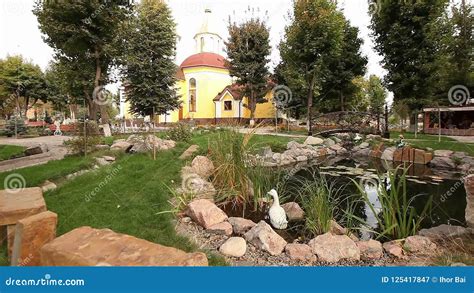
396	217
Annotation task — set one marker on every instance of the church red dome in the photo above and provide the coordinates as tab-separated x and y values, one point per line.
204	59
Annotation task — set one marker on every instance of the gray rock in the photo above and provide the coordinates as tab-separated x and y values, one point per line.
301	158
364	145
443	231
329	142
417	244
293	211
189	152
370	249
102	161
121	145
311	140
36	150
224	228
442	162
333	248
263	237
301	252
47	186
234	246
443	153
203	166
387	154
241	225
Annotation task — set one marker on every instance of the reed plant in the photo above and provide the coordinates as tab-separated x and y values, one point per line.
397	217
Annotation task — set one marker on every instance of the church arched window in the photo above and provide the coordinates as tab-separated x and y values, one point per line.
202	44
192	95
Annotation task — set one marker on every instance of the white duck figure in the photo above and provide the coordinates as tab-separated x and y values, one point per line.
277	213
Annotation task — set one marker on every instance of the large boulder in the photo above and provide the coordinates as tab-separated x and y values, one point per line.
241	225
417	244
143	144
121	145
293	211
17	204
263	237
442	163
393	248
443	153
36	150
301	252
443	231
192	183
30	235
329	142
234	246
371	249
333	248
189	152
205	213
224	228
202	166
311	140
387	154
86	246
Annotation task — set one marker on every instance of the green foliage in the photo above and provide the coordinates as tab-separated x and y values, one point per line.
18	124
376	94
180	132
338	90
396	217
319	200
148	42
86	138
313	38
22	82
248	51
407	35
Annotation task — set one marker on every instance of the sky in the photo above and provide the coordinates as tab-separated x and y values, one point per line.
19	33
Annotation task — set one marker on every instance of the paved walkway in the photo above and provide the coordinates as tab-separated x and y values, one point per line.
55	144
465	139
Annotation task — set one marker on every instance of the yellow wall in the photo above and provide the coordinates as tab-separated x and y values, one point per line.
263	110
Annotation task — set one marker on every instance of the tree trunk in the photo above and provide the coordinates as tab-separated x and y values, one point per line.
252	106
104	116
310	104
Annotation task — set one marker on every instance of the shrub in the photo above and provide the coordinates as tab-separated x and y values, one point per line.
180	132
20	127
86	138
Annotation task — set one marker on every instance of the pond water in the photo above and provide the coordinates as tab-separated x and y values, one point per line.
446	188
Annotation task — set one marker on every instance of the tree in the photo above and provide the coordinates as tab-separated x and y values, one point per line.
311	41
376	94
344	67
360	101
21	85
149	48
82	31
248	51
404	33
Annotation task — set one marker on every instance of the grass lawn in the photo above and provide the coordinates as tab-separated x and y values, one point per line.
431	141
10	151
128	202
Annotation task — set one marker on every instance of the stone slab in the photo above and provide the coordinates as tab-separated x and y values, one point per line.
18	205
86	246
30	235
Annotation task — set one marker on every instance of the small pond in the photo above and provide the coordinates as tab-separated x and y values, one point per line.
422	182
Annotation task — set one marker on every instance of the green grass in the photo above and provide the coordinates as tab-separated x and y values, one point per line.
424	141
10	151
131	200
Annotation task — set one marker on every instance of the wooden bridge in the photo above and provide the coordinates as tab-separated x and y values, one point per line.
350	121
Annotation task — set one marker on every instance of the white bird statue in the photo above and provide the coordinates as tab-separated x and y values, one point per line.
277	213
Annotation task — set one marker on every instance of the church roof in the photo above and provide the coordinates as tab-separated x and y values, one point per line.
204	59
233	89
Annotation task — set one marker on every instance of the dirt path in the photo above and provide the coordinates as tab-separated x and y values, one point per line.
57	150
465	139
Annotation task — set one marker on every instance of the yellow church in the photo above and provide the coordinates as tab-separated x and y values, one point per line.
207	91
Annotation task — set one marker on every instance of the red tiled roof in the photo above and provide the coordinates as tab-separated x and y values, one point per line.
233	89
204	59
